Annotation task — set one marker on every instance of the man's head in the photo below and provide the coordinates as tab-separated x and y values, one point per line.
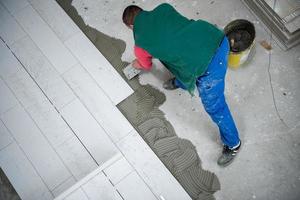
129	15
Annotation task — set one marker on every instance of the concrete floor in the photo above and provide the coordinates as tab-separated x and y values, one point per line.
263	96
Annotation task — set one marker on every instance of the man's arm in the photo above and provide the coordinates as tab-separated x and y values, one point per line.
143	59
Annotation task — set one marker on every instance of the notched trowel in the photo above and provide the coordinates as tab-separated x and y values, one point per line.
131	72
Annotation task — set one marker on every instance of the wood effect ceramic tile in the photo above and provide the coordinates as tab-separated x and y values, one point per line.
50	123
5	137
59	56
77	195
25	89
133	187
76	158
8	100
118	170
38	66
109	117
22	175
89	132
14	5
36	147
9	65
99	68
10	30
56	18
64	186
99	187
150	168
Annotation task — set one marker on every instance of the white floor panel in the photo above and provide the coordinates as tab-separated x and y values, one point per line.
56	18
50	123
45	39
76	158
5	137
8	63
25	89
15	5
99	68
118	170
99	105
99	187
77	195
22	174
38	66
18	80
150	168
89	132
10	31
132	187
90	177
9	101
37	148
64	186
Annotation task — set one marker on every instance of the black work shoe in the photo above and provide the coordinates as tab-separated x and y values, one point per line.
228	155
170	84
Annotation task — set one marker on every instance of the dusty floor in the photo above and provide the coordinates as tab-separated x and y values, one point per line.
263	96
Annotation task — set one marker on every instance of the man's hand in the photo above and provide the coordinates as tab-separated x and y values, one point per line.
136	64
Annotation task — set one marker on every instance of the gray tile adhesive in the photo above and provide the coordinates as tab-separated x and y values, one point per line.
142	110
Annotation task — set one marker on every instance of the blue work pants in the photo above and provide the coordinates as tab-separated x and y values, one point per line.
211	91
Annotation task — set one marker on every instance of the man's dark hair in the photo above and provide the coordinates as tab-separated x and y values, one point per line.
130	13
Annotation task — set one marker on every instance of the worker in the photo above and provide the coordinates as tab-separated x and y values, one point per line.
196	53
